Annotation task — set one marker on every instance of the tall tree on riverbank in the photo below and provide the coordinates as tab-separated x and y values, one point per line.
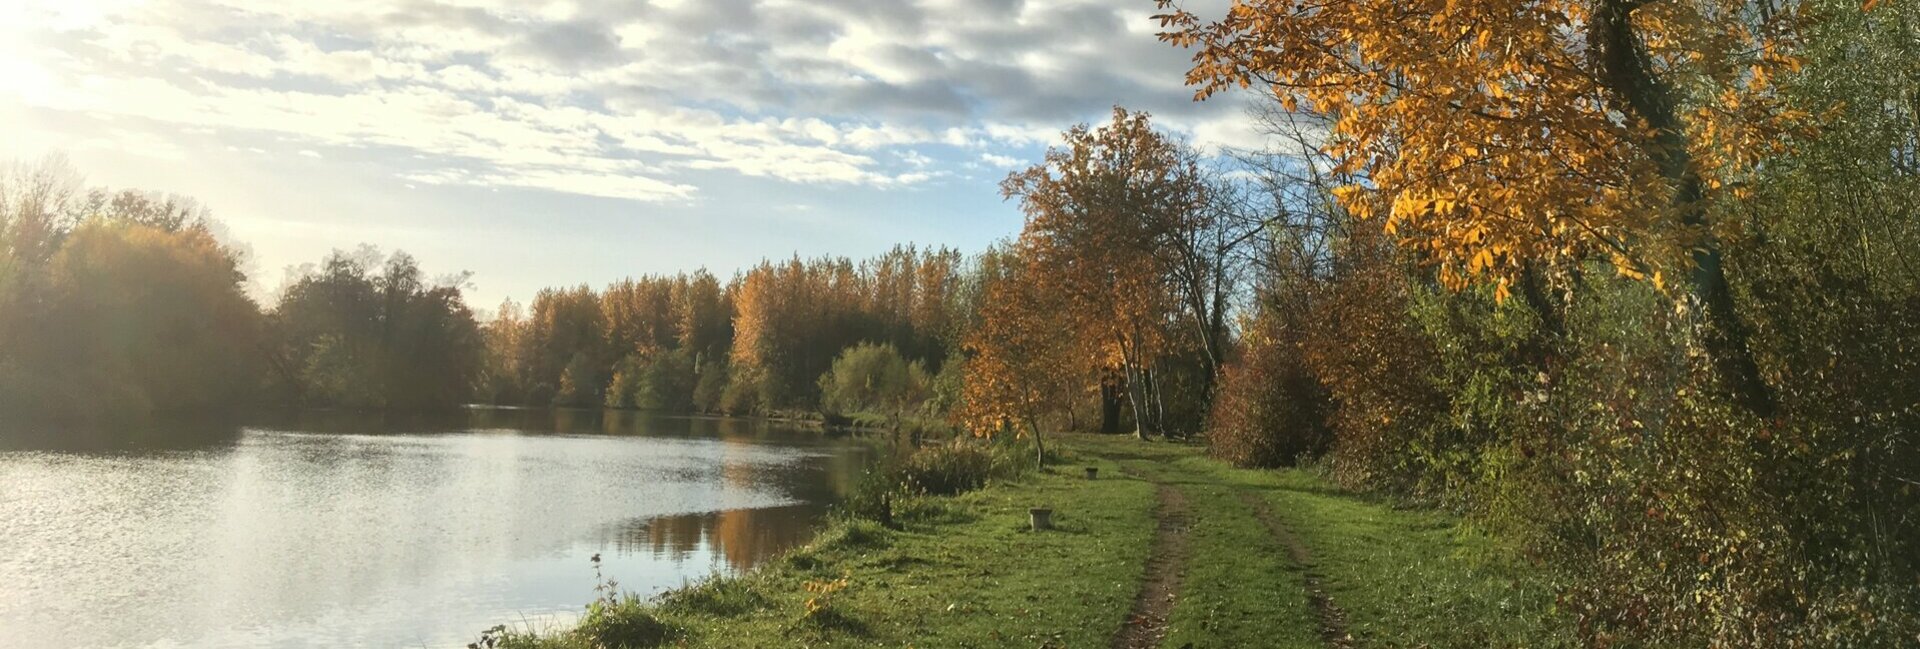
1108	215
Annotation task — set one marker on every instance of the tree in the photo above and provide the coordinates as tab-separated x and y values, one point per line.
351	335
116	304
1497	136
1024	360
143	320
39	205
503	381
567	340
1101	212
703	320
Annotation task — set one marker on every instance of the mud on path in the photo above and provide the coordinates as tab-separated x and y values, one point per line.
1333	621
1146	624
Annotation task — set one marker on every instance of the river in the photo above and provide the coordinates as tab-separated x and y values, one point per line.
333	530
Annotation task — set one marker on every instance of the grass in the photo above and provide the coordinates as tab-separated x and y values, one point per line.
1416	577
964	571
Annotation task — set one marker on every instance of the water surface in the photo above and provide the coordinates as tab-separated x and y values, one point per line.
337	530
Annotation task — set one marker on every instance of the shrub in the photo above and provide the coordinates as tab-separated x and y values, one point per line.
709	391
1374	363
1270	410
945	469
618	620
625	624
876	378
743	394
949	469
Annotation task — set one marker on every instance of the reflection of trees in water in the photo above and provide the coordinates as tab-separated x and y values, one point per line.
741	537
744	537
359	422
178	433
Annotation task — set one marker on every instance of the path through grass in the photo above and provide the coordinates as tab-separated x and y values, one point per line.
965	571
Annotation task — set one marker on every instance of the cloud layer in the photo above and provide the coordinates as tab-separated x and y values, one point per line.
611	99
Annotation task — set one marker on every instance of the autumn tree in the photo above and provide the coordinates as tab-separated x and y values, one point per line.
567	339
117	304
791	318
503	378
1023	362
141	319
703	320
1103	211
1501	137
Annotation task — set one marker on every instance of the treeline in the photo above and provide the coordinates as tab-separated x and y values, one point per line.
117	305
759	344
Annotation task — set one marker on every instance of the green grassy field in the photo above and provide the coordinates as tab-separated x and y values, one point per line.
965	571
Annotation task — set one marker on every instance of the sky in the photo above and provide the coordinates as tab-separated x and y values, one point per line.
542	143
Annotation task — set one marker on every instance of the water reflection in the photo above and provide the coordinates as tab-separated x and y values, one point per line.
334	529
741	538
163	434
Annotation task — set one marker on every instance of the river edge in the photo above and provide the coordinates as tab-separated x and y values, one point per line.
967	570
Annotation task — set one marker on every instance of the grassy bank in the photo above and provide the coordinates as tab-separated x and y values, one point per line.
964	571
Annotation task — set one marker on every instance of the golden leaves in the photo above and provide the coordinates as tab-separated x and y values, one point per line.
1087	291
1486	138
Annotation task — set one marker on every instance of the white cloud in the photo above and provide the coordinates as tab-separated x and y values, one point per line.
602	100
1000	160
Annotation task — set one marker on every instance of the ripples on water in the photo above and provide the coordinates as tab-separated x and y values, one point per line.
336	530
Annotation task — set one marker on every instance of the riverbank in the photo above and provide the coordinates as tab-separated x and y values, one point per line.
1164	548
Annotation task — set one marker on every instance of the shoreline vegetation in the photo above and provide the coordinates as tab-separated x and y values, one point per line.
964	569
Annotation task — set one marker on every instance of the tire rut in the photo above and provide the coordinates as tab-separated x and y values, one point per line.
1146	624
1333	621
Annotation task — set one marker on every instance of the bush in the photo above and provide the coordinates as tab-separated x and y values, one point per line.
710	387
664	382
1374	362
946	469
743	393
950	469
618	620
1270	410
876	378
722	596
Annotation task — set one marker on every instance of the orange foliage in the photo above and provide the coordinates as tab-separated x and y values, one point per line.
1097	208
1023	362
1489	133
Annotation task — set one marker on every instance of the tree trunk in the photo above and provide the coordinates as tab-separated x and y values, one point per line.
1110	406
1628	74
1541	346
1134	385
1039	446
1159	403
